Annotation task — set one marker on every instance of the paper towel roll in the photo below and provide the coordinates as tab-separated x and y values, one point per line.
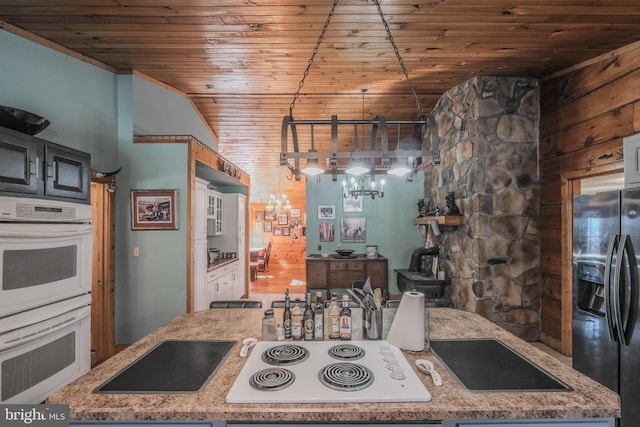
407	329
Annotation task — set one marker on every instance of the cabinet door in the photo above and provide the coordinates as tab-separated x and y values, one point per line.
68	172
200	294
316	274
225	286
377	271
199	209
18	164
219	215
631	150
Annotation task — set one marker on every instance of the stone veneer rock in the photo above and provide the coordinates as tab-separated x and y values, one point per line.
486	131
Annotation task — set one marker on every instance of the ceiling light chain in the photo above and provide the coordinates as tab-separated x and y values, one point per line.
397	52
313	55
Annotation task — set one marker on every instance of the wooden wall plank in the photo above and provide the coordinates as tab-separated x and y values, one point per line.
585	116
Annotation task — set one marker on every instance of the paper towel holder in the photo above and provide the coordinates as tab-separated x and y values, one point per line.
407	329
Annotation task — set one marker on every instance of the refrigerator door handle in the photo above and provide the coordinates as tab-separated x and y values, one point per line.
629	296
609	308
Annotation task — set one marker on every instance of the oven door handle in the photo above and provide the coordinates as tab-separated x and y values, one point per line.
36	331
27	231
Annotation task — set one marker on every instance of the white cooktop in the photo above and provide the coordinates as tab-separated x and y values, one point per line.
307	387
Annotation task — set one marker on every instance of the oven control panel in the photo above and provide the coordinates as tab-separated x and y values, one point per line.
37	210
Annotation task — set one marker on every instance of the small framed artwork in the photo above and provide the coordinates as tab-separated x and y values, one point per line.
286	231
269	215
304	231
259	215
283	219
326	212
267	227
258	226
327	232
295	234
295	223
295	213
352	204
154	209
277	231
353	229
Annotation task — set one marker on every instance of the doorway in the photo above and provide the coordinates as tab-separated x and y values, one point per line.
574	183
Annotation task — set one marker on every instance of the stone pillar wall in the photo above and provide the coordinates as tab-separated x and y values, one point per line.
487	133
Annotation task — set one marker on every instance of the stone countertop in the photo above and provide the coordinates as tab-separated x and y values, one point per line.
450	401
220	263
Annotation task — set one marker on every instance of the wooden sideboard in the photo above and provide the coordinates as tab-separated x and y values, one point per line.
337	272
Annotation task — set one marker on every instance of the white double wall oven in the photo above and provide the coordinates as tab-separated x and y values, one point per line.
46	249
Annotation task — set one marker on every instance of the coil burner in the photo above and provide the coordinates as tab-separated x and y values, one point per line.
346	352
272	379
286	354
346	376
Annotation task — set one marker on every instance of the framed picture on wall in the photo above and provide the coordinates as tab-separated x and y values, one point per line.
327	232
295	234
259	215
269	215
353	229
154	209
258	226
326	212
286	231
283	219
277	231
295	213
267	227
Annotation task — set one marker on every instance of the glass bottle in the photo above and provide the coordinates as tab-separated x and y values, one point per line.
297	330
334	319
286	318
308	318
318	318
345	319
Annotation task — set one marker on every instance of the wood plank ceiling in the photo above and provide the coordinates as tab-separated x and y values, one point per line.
241	61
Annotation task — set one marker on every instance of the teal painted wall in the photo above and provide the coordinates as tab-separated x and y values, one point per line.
78	99
389	220
94	110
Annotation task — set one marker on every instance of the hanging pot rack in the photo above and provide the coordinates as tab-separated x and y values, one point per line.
379	154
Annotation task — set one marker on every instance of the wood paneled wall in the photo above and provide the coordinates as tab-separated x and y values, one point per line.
585	114
287	253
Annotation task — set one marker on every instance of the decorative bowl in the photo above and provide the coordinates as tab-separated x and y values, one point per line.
22	121
344	252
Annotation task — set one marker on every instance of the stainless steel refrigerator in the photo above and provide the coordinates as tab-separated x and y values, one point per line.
606	329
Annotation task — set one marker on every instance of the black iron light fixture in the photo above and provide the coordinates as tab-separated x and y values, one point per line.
378	158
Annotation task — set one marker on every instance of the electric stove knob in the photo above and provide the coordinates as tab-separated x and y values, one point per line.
397	373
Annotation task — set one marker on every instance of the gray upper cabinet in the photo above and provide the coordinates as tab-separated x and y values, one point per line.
34	167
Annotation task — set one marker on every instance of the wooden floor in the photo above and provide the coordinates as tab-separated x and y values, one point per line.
272	284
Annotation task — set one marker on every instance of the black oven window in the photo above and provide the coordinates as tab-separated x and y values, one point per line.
32	267
28	369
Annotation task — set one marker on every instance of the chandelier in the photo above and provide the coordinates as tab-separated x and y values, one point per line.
278	203
378	157
365	185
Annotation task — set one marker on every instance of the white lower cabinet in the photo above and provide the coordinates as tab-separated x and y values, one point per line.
222	283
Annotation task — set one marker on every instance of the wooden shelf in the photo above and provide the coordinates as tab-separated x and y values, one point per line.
442	220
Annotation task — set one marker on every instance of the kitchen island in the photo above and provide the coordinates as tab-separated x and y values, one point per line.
451	401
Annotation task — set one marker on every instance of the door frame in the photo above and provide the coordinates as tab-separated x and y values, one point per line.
570	187
103	202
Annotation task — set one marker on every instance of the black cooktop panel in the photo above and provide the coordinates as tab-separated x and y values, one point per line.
488	365
173	366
